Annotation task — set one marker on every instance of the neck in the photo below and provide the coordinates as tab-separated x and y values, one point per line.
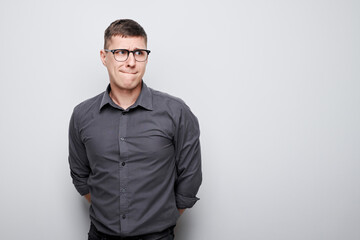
124	97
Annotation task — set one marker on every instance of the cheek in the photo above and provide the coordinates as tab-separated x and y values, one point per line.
142	69
115	68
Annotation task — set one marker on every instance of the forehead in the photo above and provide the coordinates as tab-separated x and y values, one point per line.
126	42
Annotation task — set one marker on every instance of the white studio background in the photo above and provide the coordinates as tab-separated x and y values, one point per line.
275	85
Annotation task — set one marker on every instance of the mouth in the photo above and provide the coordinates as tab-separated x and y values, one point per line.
128	72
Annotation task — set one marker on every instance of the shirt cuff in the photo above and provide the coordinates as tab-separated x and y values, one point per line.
82	189
183	202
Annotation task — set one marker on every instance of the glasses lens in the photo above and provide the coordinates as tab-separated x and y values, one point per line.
140	55
121	55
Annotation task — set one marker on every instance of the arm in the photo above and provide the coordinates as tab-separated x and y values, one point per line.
188	160
88	197
78	161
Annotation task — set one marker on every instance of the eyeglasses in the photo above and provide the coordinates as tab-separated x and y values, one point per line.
121	55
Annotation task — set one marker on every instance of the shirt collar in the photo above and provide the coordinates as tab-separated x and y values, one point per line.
144	100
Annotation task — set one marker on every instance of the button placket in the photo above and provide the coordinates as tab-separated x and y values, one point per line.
123	170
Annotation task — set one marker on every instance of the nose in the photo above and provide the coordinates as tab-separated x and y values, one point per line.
131	60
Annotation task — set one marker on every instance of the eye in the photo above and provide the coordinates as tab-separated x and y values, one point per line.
121	52
139	52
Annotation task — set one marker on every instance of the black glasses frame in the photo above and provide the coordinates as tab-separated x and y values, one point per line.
128	53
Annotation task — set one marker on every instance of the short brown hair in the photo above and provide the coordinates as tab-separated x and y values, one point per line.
124	28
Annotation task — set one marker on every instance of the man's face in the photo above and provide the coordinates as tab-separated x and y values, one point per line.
125	75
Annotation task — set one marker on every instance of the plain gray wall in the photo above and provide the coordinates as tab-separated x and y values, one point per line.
275	85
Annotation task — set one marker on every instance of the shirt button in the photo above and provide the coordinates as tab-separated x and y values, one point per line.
123	113
123	216
123	163
122	139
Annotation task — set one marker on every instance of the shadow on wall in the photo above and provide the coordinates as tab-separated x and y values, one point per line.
184	227
85	214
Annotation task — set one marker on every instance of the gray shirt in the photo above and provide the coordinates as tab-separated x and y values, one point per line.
139	165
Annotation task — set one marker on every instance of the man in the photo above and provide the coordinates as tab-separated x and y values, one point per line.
134	152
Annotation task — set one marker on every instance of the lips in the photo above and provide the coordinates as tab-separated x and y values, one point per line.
128	72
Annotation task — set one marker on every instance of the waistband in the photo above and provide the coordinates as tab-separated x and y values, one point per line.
151	236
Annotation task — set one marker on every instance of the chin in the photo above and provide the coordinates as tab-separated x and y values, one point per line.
129	85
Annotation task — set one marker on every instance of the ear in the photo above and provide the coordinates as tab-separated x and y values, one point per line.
103	57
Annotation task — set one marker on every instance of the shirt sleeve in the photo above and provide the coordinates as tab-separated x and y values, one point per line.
78	161
188	159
